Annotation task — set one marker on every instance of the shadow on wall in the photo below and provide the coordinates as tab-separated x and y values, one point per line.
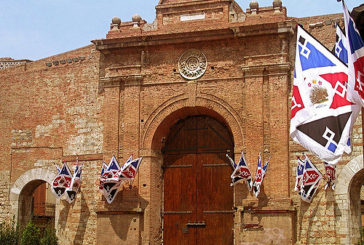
66	218
122	220
63	216
309	217
85	214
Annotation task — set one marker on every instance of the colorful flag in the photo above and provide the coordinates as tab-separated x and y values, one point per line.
321	116
310	180
109	180
72	191
112	176
299	174
62	180
130	169
259	177
241	172
331	175
355	46
340	50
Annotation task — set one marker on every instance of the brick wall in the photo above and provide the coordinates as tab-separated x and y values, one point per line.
121	96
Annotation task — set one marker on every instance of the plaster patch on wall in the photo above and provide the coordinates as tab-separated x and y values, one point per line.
45	130
21	137
89	139
192	17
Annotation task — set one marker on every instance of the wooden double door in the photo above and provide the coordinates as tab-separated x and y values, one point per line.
198	198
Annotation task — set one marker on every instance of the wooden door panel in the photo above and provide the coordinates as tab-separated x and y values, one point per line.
198	199
212	136
175	230
218	230
39	200
180	183
214	190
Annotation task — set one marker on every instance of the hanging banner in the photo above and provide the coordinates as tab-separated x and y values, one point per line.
62	181
241	172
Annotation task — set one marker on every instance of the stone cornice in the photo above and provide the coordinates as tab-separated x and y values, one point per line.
208	34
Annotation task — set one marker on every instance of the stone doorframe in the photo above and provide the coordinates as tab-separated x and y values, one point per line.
22	181
346	181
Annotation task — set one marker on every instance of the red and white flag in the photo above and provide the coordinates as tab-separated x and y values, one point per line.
241	172
259	177
109	180
74	188
299	174
331	175
62	180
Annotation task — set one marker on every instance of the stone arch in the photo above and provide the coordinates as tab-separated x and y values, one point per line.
168	113
26	182
349	182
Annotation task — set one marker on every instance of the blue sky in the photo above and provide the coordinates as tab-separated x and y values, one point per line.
35	29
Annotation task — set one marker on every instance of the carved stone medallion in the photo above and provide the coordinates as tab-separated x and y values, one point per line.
192	64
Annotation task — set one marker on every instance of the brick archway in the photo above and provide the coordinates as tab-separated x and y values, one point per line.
156	128
29	180
168	113
349	182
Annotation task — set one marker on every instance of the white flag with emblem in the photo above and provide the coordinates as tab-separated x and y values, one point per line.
321	115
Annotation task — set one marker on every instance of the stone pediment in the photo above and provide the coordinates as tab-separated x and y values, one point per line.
197	13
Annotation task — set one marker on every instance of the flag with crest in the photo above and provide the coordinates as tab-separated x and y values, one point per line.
310	180
330	170
340	46
355	46
75	185
109	180
299	174
241	172
321	115
259	177
62	180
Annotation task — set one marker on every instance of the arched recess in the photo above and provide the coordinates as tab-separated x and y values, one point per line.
22	189
153	135
158	124
347	196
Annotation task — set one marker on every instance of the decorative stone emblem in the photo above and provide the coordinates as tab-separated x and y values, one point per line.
192	64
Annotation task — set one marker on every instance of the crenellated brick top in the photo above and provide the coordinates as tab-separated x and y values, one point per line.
182	16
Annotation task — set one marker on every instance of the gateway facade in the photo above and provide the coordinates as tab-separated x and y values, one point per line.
205	79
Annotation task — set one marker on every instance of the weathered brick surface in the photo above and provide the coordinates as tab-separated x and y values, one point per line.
120	97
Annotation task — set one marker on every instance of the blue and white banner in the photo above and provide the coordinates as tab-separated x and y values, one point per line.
310	180
340	46
355	46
